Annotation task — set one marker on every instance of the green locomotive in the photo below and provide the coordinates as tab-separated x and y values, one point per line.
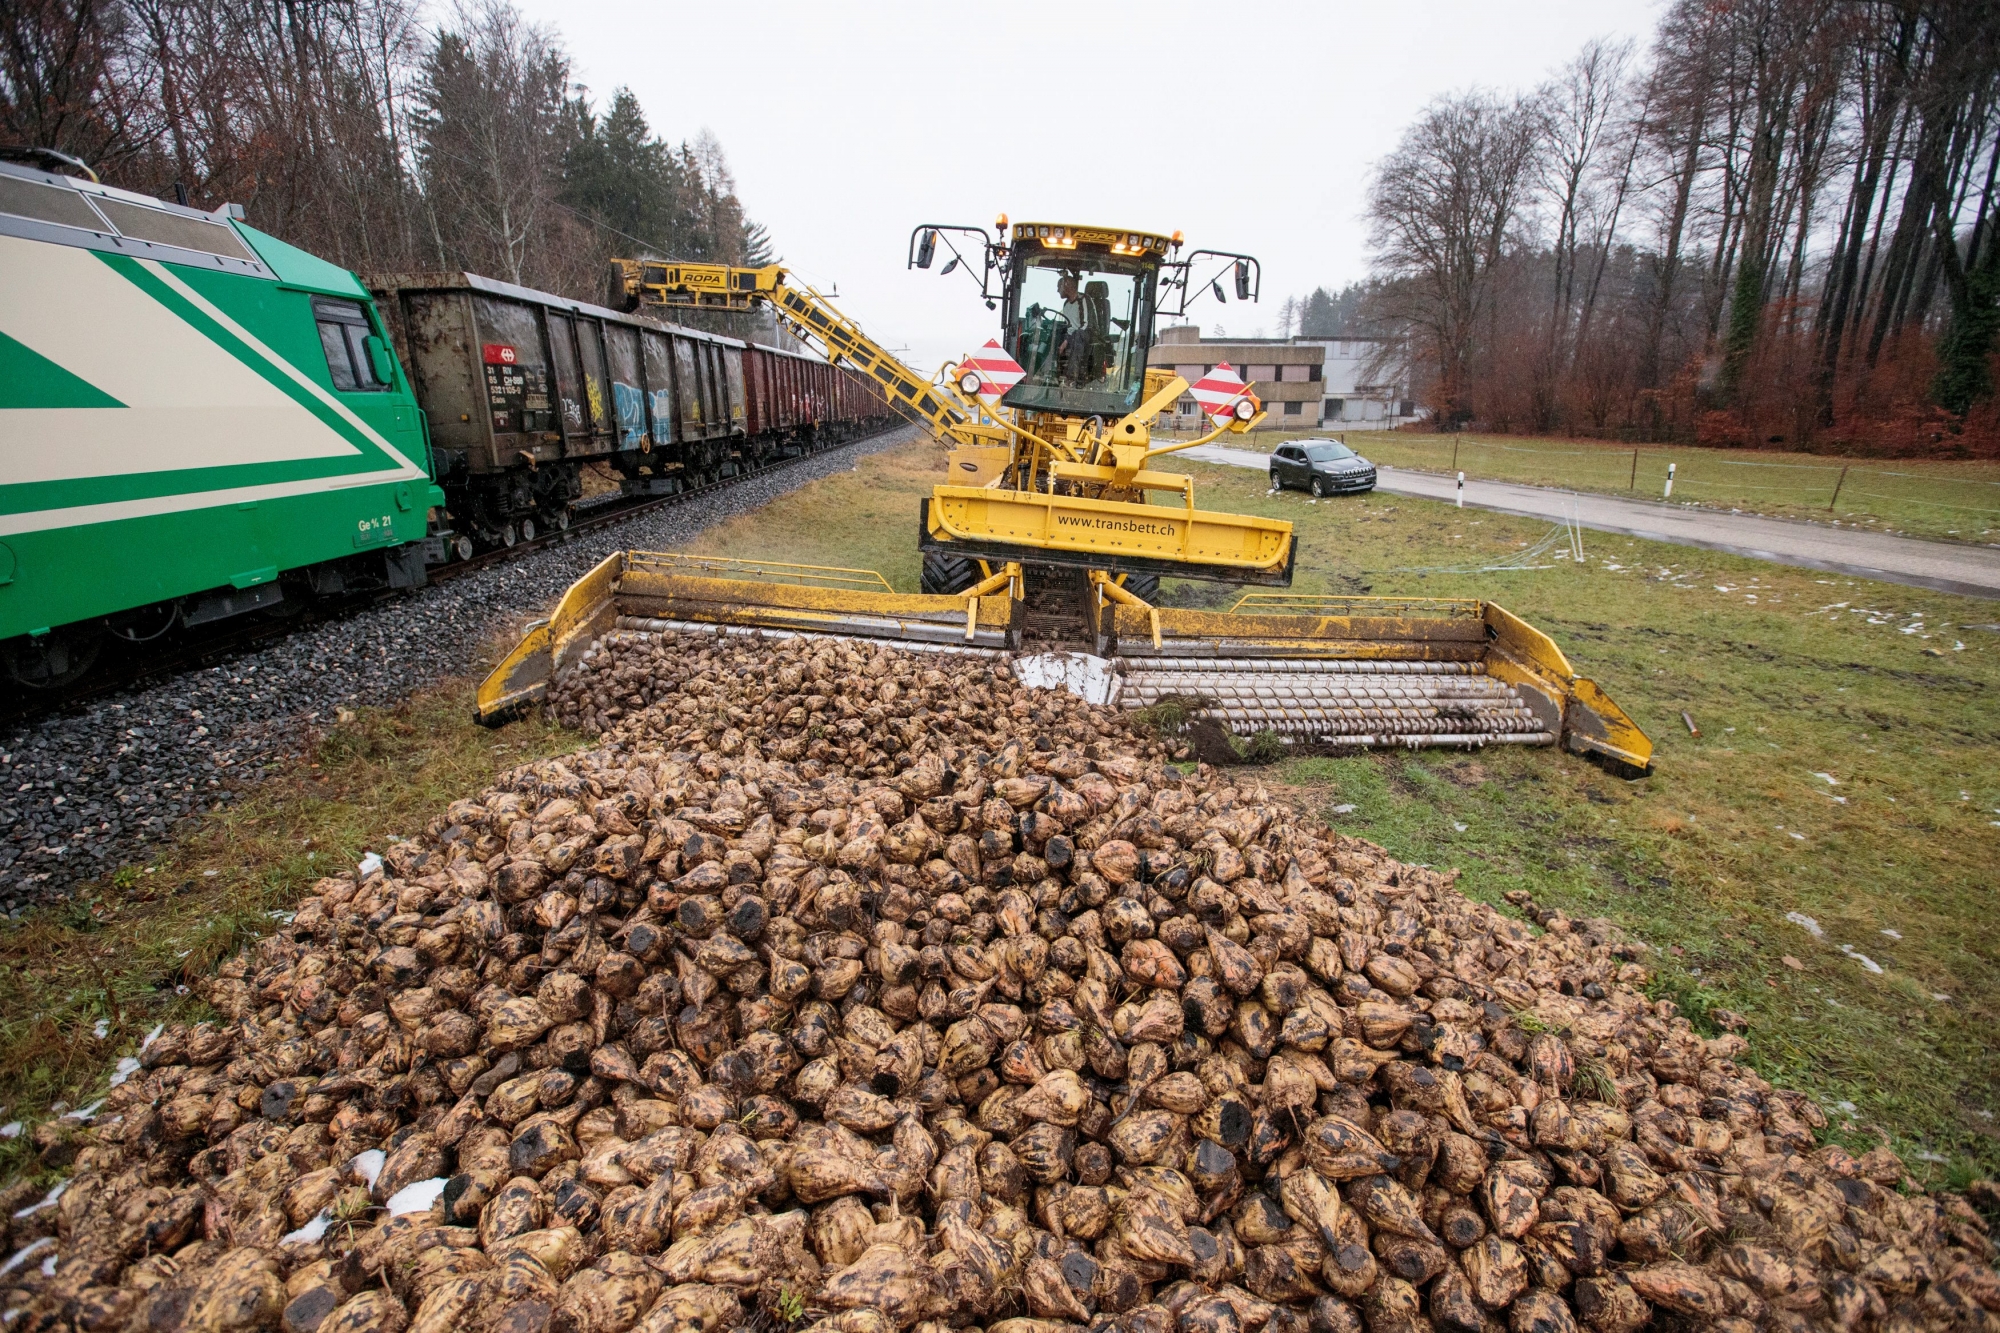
189	410
199	421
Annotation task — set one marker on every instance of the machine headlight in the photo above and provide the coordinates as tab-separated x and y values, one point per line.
1245	409
969	383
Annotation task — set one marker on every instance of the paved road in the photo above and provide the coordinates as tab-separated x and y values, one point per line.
1971	570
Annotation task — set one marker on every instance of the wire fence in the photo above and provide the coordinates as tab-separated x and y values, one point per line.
1953	500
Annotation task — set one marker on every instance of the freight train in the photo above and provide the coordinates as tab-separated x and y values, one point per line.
199	422
523	390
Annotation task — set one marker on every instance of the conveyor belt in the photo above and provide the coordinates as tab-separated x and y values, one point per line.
1364	703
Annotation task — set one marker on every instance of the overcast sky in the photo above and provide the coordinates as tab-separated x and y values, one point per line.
1248	126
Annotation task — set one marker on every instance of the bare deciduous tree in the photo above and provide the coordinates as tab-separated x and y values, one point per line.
1440	210
1781	228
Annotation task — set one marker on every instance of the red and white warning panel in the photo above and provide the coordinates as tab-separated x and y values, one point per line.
1224	396
988	373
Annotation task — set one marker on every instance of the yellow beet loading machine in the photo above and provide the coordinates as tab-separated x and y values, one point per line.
1056	526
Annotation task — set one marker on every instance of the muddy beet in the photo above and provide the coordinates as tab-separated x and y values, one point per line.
862	990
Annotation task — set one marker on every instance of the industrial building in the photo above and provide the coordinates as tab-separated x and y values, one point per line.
1305	383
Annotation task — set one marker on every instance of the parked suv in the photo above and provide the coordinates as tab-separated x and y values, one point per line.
1324	467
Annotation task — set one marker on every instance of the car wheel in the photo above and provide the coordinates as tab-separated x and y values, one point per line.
1276	485
1318	490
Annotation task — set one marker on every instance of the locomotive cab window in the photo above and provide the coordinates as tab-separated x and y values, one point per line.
357	360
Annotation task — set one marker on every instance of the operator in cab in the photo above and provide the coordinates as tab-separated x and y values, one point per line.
1074	353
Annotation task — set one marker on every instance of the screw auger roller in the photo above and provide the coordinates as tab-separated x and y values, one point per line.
1057	525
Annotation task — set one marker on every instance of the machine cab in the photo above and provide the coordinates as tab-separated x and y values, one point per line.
1078	317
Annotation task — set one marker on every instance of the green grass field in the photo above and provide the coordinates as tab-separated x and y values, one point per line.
1947	500
1847	771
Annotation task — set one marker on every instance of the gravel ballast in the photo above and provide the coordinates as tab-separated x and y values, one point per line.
84	792
847	990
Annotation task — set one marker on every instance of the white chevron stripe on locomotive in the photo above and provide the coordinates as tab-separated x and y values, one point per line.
187	401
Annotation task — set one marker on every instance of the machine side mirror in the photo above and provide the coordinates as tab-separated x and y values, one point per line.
926	248
379	359
1216	287
1242	281
949	265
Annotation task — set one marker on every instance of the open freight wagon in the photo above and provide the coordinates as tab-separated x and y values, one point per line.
523	389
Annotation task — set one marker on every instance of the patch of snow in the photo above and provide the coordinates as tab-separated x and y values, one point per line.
1893	934
310	1232
1828	778
369	864
416	1197
25	1253
48	1201
1862	959
1810	926
127	1067
368	1165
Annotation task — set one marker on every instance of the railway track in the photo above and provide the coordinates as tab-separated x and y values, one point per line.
127	668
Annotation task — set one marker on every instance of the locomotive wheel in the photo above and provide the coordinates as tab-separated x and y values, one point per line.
463	547
562	520
52	660
508	535
527	529
947	573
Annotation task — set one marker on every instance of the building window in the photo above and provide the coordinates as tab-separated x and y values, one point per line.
1334	407
1295	372
1294	409
1312	374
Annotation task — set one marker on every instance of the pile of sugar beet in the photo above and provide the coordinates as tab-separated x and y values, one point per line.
852	990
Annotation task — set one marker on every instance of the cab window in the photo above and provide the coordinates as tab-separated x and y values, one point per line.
343	333
1080	333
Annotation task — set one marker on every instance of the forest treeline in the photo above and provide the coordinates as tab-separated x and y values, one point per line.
380	134
1777	225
